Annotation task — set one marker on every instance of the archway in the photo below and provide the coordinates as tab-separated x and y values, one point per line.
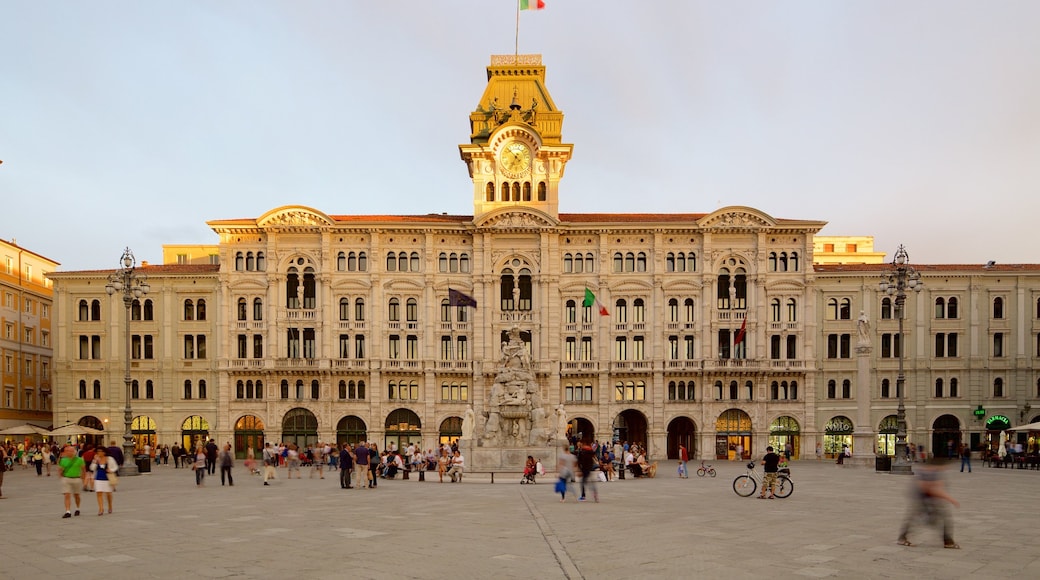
450	431
946	436
249	433
581	429
886	439
403	427
630	425
784	431
194	432
836	434
995	425
300	427
94	423
682	431
143	429
733	434
351	429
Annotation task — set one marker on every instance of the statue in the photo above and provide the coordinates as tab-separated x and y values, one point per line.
561	422
515	414
468	423
863	326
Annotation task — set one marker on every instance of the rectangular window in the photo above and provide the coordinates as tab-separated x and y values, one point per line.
621	349
45	338
586	348
570	349
411	347
394	347
135	346
242	353
673	348
309	343
951	344
462	348
359	346
998	344
148	347
637	348
258	346
344	346
690	353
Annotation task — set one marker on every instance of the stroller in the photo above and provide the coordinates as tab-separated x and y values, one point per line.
531	473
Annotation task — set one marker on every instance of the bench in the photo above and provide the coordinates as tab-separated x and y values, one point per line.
519	474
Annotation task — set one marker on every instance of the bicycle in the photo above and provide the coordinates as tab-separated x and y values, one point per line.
745	485
705	470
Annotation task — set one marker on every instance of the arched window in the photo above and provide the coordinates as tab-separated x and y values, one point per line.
638	311
527	191
352	262
344	309
315	389
832	389
147	309
341	261
886	309
886	388
359	309
689	311
258	309
940	307
792	310
391	262
135	310
413	262
411	312
200	310
669	262
998	387
832	309
630	262
621	311
442	262
189	310
187	389
261	264
579	263
845	312
781	264
998	308
774	308
794	261
938	388
84	311
541	191
393	313
953	388
489	192
95	310
464	263
250	262
240	262
516	191
241	309
641	262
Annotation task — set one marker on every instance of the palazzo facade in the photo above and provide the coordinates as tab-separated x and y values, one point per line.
715	330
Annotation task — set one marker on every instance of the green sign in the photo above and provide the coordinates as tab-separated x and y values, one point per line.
980	412
998	423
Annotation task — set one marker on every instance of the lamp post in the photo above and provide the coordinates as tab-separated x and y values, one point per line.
895	282
131	285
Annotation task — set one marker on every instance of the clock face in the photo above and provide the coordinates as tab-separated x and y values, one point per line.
515	158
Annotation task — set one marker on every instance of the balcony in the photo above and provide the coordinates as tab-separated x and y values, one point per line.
408	365
682	365
455	365
298	363
637	366
730	315
732	363
584	366
516	316
350	364
300	314
787	364
256	325
246	363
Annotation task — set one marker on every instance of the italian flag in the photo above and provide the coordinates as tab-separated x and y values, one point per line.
532	4
590	298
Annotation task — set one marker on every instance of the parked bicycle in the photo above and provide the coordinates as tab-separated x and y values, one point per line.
745	485
705	470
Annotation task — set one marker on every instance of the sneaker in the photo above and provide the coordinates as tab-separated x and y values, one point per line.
77	513
67	515
581	499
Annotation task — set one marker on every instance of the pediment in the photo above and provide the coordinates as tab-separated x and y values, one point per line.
403	285
737	218
681	285
513	218
247	283
292	216
785	285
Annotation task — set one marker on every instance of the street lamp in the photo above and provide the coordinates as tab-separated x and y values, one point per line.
896	282
132	286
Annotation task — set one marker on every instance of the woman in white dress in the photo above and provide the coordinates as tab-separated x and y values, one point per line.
103	467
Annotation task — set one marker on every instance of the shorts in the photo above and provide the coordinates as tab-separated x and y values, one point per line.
71	485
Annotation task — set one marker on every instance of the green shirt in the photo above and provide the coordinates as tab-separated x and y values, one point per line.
71	466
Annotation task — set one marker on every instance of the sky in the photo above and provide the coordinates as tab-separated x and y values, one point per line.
130	124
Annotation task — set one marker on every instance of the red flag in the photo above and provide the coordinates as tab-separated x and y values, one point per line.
743	330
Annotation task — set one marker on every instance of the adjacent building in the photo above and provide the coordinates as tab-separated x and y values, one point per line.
26	310
716	330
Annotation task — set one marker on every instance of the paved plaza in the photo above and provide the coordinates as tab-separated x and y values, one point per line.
840	522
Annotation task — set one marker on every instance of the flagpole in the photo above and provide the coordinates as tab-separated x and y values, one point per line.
516	39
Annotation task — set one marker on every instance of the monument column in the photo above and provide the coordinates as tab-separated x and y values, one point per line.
863	438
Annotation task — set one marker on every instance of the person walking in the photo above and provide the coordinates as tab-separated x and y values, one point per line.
965	453
3	468
928	502
684	458
103	467
361	460
270	458
587	462
770	466
565	464
346	466
199	467
211	457
73	477
227	461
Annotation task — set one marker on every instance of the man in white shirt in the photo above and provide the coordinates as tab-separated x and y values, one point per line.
457	464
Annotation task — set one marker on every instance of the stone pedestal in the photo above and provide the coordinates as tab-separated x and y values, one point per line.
509	459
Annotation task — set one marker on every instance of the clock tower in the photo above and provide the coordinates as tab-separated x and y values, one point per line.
515	156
